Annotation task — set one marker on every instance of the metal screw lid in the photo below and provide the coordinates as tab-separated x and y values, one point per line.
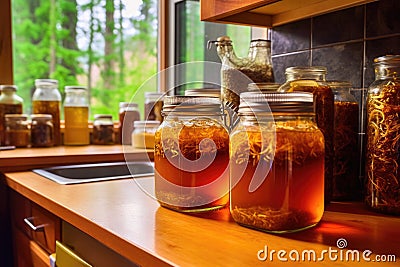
188	104
279	102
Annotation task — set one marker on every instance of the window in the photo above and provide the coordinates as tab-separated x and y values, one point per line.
110	46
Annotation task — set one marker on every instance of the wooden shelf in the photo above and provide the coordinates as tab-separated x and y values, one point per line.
269	13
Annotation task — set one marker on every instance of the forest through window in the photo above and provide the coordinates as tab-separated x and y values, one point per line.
110	46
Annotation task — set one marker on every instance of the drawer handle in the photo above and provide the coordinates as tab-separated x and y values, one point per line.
38	228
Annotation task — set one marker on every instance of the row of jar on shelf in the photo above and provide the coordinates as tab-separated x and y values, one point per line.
17	130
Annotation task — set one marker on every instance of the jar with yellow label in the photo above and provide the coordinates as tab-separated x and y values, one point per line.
191	155
277	163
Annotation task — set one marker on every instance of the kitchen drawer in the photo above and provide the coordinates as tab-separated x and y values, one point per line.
48	228
20	208
35	222
28	252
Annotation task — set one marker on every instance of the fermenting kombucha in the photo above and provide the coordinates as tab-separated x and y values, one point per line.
191	165
291	195
76	126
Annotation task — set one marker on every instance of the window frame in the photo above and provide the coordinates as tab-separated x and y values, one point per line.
6	64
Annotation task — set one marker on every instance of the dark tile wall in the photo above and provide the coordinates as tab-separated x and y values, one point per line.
346	42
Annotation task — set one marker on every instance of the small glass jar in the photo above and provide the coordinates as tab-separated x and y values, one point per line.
143	134
313	80
17	130
103	130
191	155
42	130
153	106
46	99
277	163
128	114
346	184
76	116
10	103
383	137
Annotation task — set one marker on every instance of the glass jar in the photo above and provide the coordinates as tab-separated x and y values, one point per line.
10	103
237	73
17	130
42	130
191	155
103	130
313	80
383	133
128	114
277	163
143	134
47	100
76	116
345	184
153	106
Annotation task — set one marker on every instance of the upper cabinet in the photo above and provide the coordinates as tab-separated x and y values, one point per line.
269	13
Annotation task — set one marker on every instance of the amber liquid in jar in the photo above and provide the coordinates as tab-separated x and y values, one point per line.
53	108
76	126
291	196
324	116
346	185
169	179
17	138
7	109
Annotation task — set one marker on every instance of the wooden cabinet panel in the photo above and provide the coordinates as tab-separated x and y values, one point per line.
20	208
269	13
27	253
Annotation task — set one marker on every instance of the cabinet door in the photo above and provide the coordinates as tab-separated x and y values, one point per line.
27	252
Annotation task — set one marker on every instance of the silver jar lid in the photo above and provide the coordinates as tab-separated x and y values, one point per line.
192	105
276	102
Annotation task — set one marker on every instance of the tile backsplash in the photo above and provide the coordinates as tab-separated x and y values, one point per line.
346	42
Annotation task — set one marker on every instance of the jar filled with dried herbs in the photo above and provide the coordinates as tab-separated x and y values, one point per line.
42	130
313	80
346	184
383	137
277	163
103	130
17	130
191	155
237	73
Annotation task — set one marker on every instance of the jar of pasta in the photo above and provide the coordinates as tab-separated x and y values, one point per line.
191	156
277	163
313	80
383	137
346	184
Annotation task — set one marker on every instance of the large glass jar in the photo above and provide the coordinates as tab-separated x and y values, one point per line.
237	73
313	80
10	103
191	155
277	163
383	137
346	184
76	116
47	100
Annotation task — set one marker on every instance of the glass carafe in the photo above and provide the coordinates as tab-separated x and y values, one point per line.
237	73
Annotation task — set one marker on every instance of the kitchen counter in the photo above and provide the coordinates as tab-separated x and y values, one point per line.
126	219
22	159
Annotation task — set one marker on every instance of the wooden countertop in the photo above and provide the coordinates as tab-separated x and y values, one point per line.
22	159
126	219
